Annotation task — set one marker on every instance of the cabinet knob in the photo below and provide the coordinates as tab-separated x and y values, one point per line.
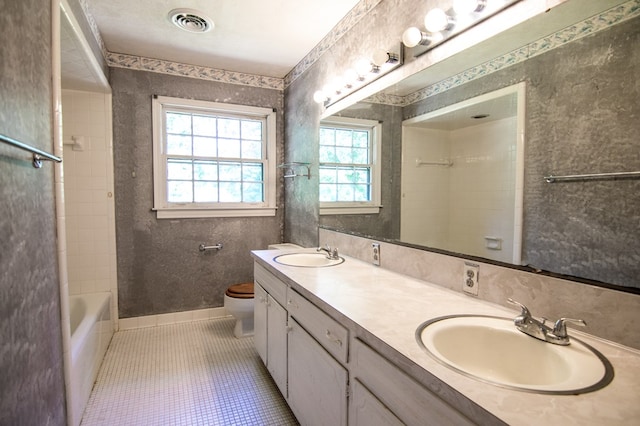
290	303
333	339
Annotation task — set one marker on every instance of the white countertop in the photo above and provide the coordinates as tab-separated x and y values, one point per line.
391	306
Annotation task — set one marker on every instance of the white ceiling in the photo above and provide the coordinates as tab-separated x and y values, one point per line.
262	37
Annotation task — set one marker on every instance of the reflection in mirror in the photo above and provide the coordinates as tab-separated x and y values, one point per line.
580	64
462	171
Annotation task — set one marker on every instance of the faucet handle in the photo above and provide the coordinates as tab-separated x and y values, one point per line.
560	326
525	311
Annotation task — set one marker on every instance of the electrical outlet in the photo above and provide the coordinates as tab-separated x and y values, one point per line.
471	278
375	253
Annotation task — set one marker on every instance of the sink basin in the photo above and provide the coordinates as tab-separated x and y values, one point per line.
309	260
493	350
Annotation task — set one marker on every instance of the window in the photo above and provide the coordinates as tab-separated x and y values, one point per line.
349	166
212	159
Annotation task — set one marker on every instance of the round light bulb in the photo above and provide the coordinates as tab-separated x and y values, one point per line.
412	37
463	7
380	57
327	91
363	66
350	77
436	20
319	96
338	84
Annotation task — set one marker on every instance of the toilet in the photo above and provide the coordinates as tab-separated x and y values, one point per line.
238	301
239	298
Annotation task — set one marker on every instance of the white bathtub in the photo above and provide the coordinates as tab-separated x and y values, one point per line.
91	332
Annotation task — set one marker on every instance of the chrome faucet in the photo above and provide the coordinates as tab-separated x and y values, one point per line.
527	324
331	253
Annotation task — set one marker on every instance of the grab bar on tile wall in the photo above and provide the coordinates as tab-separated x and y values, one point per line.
593	176
203	247
38	155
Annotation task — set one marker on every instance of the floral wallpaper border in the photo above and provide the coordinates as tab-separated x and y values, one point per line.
587	27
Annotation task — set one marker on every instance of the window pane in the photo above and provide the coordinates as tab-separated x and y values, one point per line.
346	175
344	137
205	147
327	192
204	125
229	148
178	145
327	136
231	172
361	139
252	149
328	154
252	193
205	192
362	193
252	172
252	130
205	170
328	175
345	193
362	175
230	192
229	128
360	156
179	169
179	192
344	155
178	123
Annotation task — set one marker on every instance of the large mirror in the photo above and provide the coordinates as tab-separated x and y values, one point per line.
579	63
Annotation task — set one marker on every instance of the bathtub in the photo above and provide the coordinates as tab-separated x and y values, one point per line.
91	332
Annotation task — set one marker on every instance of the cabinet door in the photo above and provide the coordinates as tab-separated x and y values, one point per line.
367	410
260	322
277	344
317	382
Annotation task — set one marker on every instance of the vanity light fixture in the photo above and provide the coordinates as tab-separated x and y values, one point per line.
441	24
363	72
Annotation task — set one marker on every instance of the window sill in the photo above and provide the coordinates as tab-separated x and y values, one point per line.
350	210
203	213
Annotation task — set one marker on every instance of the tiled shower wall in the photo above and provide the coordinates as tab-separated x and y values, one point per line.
88	187
464	203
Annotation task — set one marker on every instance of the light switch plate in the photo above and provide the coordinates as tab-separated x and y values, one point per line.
471	278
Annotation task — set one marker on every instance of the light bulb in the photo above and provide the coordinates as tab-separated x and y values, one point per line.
327	91
319	96
338	84
464	7
363	66
380	57
350	77
412	37
437	20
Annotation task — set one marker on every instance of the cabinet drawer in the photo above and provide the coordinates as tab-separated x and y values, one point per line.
412	403
276	288
327	331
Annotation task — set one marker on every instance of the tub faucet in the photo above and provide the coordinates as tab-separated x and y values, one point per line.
331	253
527	324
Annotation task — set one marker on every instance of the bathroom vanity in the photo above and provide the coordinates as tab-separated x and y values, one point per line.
340	343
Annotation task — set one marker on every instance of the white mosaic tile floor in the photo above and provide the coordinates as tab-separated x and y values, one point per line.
185	374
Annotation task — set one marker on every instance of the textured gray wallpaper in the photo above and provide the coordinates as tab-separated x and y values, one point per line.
160	269
31	365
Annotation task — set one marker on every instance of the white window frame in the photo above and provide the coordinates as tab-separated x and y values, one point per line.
167	210
359	207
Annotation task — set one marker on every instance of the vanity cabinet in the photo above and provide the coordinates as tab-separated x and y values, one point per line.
317	382
392	394
270	325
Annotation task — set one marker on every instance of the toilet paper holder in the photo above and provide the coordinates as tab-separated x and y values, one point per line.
203	247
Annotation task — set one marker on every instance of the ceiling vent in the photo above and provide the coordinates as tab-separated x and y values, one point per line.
190	20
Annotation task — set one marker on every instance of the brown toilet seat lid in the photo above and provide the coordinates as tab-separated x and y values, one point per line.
240	291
